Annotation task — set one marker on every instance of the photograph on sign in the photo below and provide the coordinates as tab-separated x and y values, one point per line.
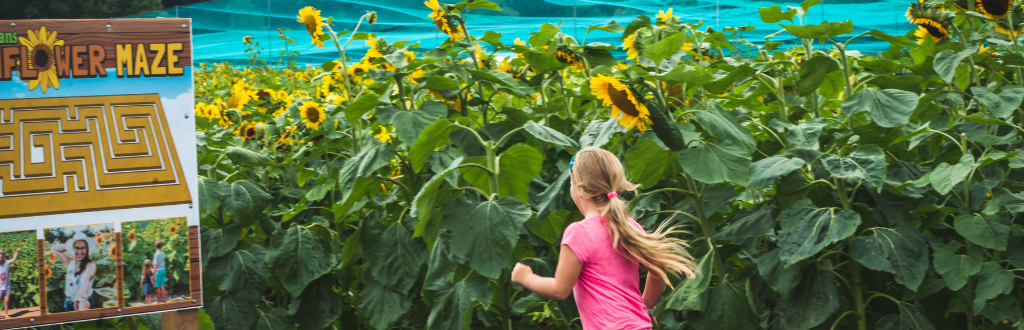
155	261
19	274
98	170
81	269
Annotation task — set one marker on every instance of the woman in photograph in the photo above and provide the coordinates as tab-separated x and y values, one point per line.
81	270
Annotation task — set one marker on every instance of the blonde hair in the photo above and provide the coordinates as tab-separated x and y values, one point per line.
596	172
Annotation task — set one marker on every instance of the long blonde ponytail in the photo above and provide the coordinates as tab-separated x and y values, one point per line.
597	172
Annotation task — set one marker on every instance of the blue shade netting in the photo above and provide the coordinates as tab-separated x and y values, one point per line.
219	26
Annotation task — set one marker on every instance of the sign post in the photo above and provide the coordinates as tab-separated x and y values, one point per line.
98	178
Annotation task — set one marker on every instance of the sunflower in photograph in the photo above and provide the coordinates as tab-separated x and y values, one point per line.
41	57
312	114
616	94
931	19
995	9
310	17
247	131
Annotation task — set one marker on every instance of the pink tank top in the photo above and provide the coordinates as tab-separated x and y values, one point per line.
607	292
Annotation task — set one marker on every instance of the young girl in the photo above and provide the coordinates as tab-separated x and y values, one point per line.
146	282
600	254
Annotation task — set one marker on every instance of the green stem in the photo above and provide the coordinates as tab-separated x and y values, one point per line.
858	286
492	163
698	201
566	100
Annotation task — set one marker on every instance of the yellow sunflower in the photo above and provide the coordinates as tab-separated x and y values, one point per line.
131	236
47	272
451	101
174	230
418	74
371	17
567	56
42	58
930	19
383	135
616	94
995	9
286	136
247	40
112	251
312	114
99	238
630	46
664	17
314	24
52	257
438	15
247	131
358	70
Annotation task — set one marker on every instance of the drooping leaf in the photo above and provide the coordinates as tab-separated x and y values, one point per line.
723	126
993	281
549	228
427	141
866	163
233	311
805	135
239	270
664	48
813	72
727	308
946	62
549	135
647	163
519	164
901	251
318	305
774	14
243	156
298	257
218	242
908	319
455	301
888	107
810	303
988	230
246	202
410	124
393	256
955	268
946	176
824	30
1004	199
362	105
780	276
715	163
424	201
381	304
598	133
485	233
211	194
767	171
806	229
688	297
756	223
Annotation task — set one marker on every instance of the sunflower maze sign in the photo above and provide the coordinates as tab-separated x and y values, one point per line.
98	177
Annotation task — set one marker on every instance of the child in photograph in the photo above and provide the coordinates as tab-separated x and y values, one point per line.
161	272
81	272
146	282
5	279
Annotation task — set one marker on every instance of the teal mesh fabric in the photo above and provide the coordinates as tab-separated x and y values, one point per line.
219	26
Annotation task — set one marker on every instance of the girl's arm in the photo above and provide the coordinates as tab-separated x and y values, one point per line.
15	255
88	273
558	287
652	291
141	279
59	249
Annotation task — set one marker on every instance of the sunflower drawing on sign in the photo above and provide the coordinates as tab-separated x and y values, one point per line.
42	57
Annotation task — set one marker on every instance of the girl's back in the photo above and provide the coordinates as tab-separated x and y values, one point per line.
608	289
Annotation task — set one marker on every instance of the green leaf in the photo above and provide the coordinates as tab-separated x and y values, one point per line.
484	4
689	296
774	14
410	124
218	242
320	189
361	187
428	140
612	27
1003	199
824	30
807	4
665	47
946	176
501	79
485	233
900	41
688	75
901	251
539	39
1006	309
721	84
723	126
598	133
297	257
423	204
393	256
749	224
956	268
888	107
441	83
715	163
370	159
549	135
810	303
946	61
318	305
728	309
866	163
232	311
781	277
382	305
549	228
805	135
362	105
456	303
441	263
211	195
246	202
909	319
271	319
806	229
767	171
239	270
243	156
812	73
549	198
1003	105
519	165
991	231
993	281
647	163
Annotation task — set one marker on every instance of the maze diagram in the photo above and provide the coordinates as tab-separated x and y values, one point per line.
75	154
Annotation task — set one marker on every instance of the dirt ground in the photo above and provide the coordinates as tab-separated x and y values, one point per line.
170	299
22	312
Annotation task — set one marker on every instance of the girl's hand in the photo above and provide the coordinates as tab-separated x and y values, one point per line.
520	272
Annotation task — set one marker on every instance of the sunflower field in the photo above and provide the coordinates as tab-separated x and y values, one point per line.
823	187
138	239
104	284
24	273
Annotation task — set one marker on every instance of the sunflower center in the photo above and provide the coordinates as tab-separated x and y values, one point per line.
313	114
996	7
933	31
250	132
621	100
